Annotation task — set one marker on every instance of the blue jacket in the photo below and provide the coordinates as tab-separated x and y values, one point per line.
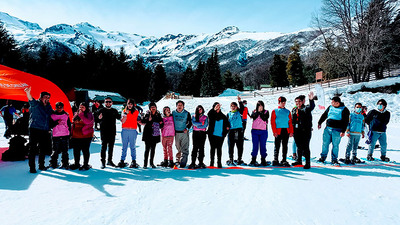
39	115
356	124
235	119
336	118
182	120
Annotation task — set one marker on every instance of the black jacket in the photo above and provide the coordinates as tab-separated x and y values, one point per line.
338	124
151	130
302	117
214	116
378	120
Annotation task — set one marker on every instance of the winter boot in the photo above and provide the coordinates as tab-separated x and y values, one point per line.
171	163
212	163
253	162
219	164
192	166
164	163
275	162
264	162
240	162
134	164
384	158
355	160
307	165
230	162
65	166
74	166
297	163
285	163
335	163
121	164
32	170
370	158
110	163
347	160
321	160
42	167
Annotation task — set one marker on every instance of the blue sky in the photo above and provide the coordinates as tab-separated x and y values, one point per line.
160	17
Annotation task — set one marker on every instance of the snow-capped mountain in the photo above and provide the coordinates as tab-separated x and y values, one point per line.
175	51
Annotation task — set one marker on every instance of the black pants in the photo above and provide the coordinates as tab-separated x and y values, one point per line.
150	148
302	139
82	144
107	141
215	146
39	144
235	137
60	145
199	140
283	138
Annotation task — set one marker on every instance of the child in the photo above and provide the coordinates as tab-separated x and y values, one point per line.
259	133
235	135
200	123
61	133
354	131
168	134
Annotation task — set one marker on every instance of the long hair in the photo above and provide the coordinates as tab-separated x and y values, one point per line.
197	113
87	111
131	100
260	103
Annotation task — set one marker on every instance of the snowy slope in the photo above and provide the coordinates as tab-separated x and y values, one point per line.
322	195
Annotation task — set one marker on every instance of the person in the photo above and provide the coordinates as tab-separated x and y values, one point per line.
7	112
259	133
218	128
355	130
282	127
182	124
294	150
168	134
337	118
39	136
95	110
141	114
130	118
235	135
82	134
378	121
108	117
151	133
302	128
244	117
61	125
200	124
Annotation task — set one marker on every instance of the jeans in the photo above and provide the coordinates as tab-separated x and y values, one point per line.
128	137
259	139
330	136
381	136
353	145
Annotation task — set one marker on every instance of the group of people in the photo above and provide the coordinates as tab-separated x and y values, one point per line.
174	126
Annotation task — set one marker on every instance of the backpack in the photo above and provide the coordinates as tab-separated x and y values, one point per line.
17	150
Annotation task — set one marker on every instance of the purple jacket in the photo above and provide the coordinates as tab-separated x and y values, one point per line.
89	122
62	128
168	129
201	125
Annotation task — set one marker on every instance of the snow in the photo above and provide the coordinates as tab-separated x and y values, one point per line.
321	195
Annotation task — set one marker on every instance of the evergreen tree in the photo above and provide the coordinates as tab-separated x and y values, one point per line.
277	72
187	81
228	80
238	83
9	53
294	68
158	84
199	73
211	81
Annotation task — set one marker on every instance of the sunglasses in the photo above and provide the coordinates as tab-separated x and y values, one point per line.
108	101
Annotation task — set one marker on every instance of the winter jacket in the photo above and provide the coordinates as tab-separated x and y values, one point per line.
151	130
336	118
260	120
281	118
39	115
108	122
356	124
217	124
182	120
201	125
132	119
62	124
82	127
168	128
235	120
378	120
302	117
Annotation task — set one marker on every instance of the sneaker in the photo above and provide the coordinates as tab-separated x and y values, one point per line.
355	160
384	158
74	166
110	163
321	160
347	160
192	166
85	167
370	158
285	164
275	163
297	163
240	162
133	164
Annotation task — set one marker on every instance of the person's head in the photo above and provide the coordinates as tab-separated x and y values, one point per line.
245	103
130	104
180	105
108	102
300	100
381	104
260	106
282	102
234	106
358	107
199	111
166	111
45	97
84	107
365	109
59	106
216	107
335	102
153	107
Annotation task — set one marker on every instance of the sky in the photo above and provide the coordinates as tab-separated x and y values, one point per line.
161	17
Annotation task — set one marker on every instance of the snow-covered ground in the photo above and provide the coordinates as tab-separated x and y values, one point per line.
367	194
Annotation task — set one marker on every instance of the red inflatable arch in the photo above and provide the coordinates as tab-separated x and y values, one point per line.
13	83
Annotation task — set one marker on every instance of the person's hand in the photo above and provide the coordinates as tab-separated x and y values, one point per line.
100	116
348	134
363	136
319	126
291	135
311	95
185	131
342	134
239	98
28	89
275	134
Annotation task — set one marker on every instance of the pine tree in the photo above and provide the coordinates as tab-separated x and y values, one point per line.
294	68
199	73
228	80
238	83
158	84
277	72
211	81
9	53
186	83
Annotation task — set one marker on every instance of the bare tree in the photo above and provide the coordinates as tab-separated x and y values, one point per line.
355	33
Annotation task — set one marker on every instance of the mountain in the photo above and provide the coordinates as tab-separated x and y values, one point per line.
238	50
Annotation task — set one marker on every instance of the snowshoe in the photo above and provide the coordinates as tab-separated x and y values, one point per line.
254	163
122	164
321	160
285	164
346	161
240	162
275	163
335	163
370	158
355	160
385	159
75	166
192	166
134	164
230	163
264	162
297	163
85	167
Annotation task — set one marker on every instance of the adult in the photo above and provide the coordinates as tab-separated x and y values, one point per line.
378	119
7	112
302	128
108	118
259	133
151	133
200	123
282	127
130	118
82	134
39	135
337	118
182	123
218	127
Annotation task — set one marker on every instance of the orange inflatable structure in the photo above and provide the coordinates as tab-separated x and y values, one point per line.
13	83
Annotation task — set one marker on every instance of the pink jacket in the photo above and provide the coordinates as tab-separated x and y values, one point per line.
168	129
61	129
